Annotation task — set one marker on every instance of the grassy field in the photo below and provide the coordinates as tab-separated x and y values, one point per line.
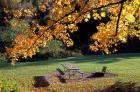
127	66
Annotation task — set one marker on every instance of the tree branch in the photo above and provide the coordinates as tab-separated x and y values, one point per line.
119	16
110	4
90	10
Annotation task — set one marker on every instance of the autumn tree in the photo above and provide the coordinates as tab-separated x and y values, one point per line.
56	19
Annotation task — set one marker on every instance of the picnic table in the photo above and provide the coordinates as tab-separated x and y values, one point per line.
71	69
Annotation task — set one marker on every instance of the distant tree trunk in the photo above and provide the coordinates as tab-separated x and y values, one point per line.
4	3
37	2
8	4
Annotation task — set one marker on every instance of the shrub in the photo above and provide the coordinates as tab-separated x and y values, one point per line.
12	29
3	58
56	49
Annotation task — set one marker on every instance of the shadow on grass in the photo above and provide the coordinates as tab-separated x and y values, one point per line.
60	74
103	59
122	87
6	65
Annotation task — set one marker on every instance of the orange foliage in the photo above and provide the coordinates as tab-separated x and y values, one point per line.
61	19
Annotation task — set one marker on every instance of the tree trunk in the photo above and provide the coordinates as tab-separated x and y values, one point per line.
4	3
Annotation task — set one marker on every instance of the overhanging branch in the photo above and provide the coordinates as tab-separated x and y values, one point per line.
119	16
59	20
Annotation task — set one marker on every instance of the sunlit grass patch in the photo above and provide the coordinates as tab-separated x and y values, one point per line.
20	77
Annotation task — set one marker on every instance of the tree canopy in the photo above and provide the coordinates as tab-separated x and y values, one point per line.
57	19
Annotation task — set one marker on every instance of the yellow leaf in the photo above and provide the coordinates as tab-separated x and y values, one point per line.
130	17
103	14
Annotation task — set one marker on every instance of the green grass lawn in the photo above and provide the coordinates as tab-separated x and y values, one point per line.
127	66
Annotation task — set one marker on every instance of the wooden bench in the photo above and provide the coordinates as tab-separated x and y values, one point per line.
61	75
82	73
104	69
59	72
